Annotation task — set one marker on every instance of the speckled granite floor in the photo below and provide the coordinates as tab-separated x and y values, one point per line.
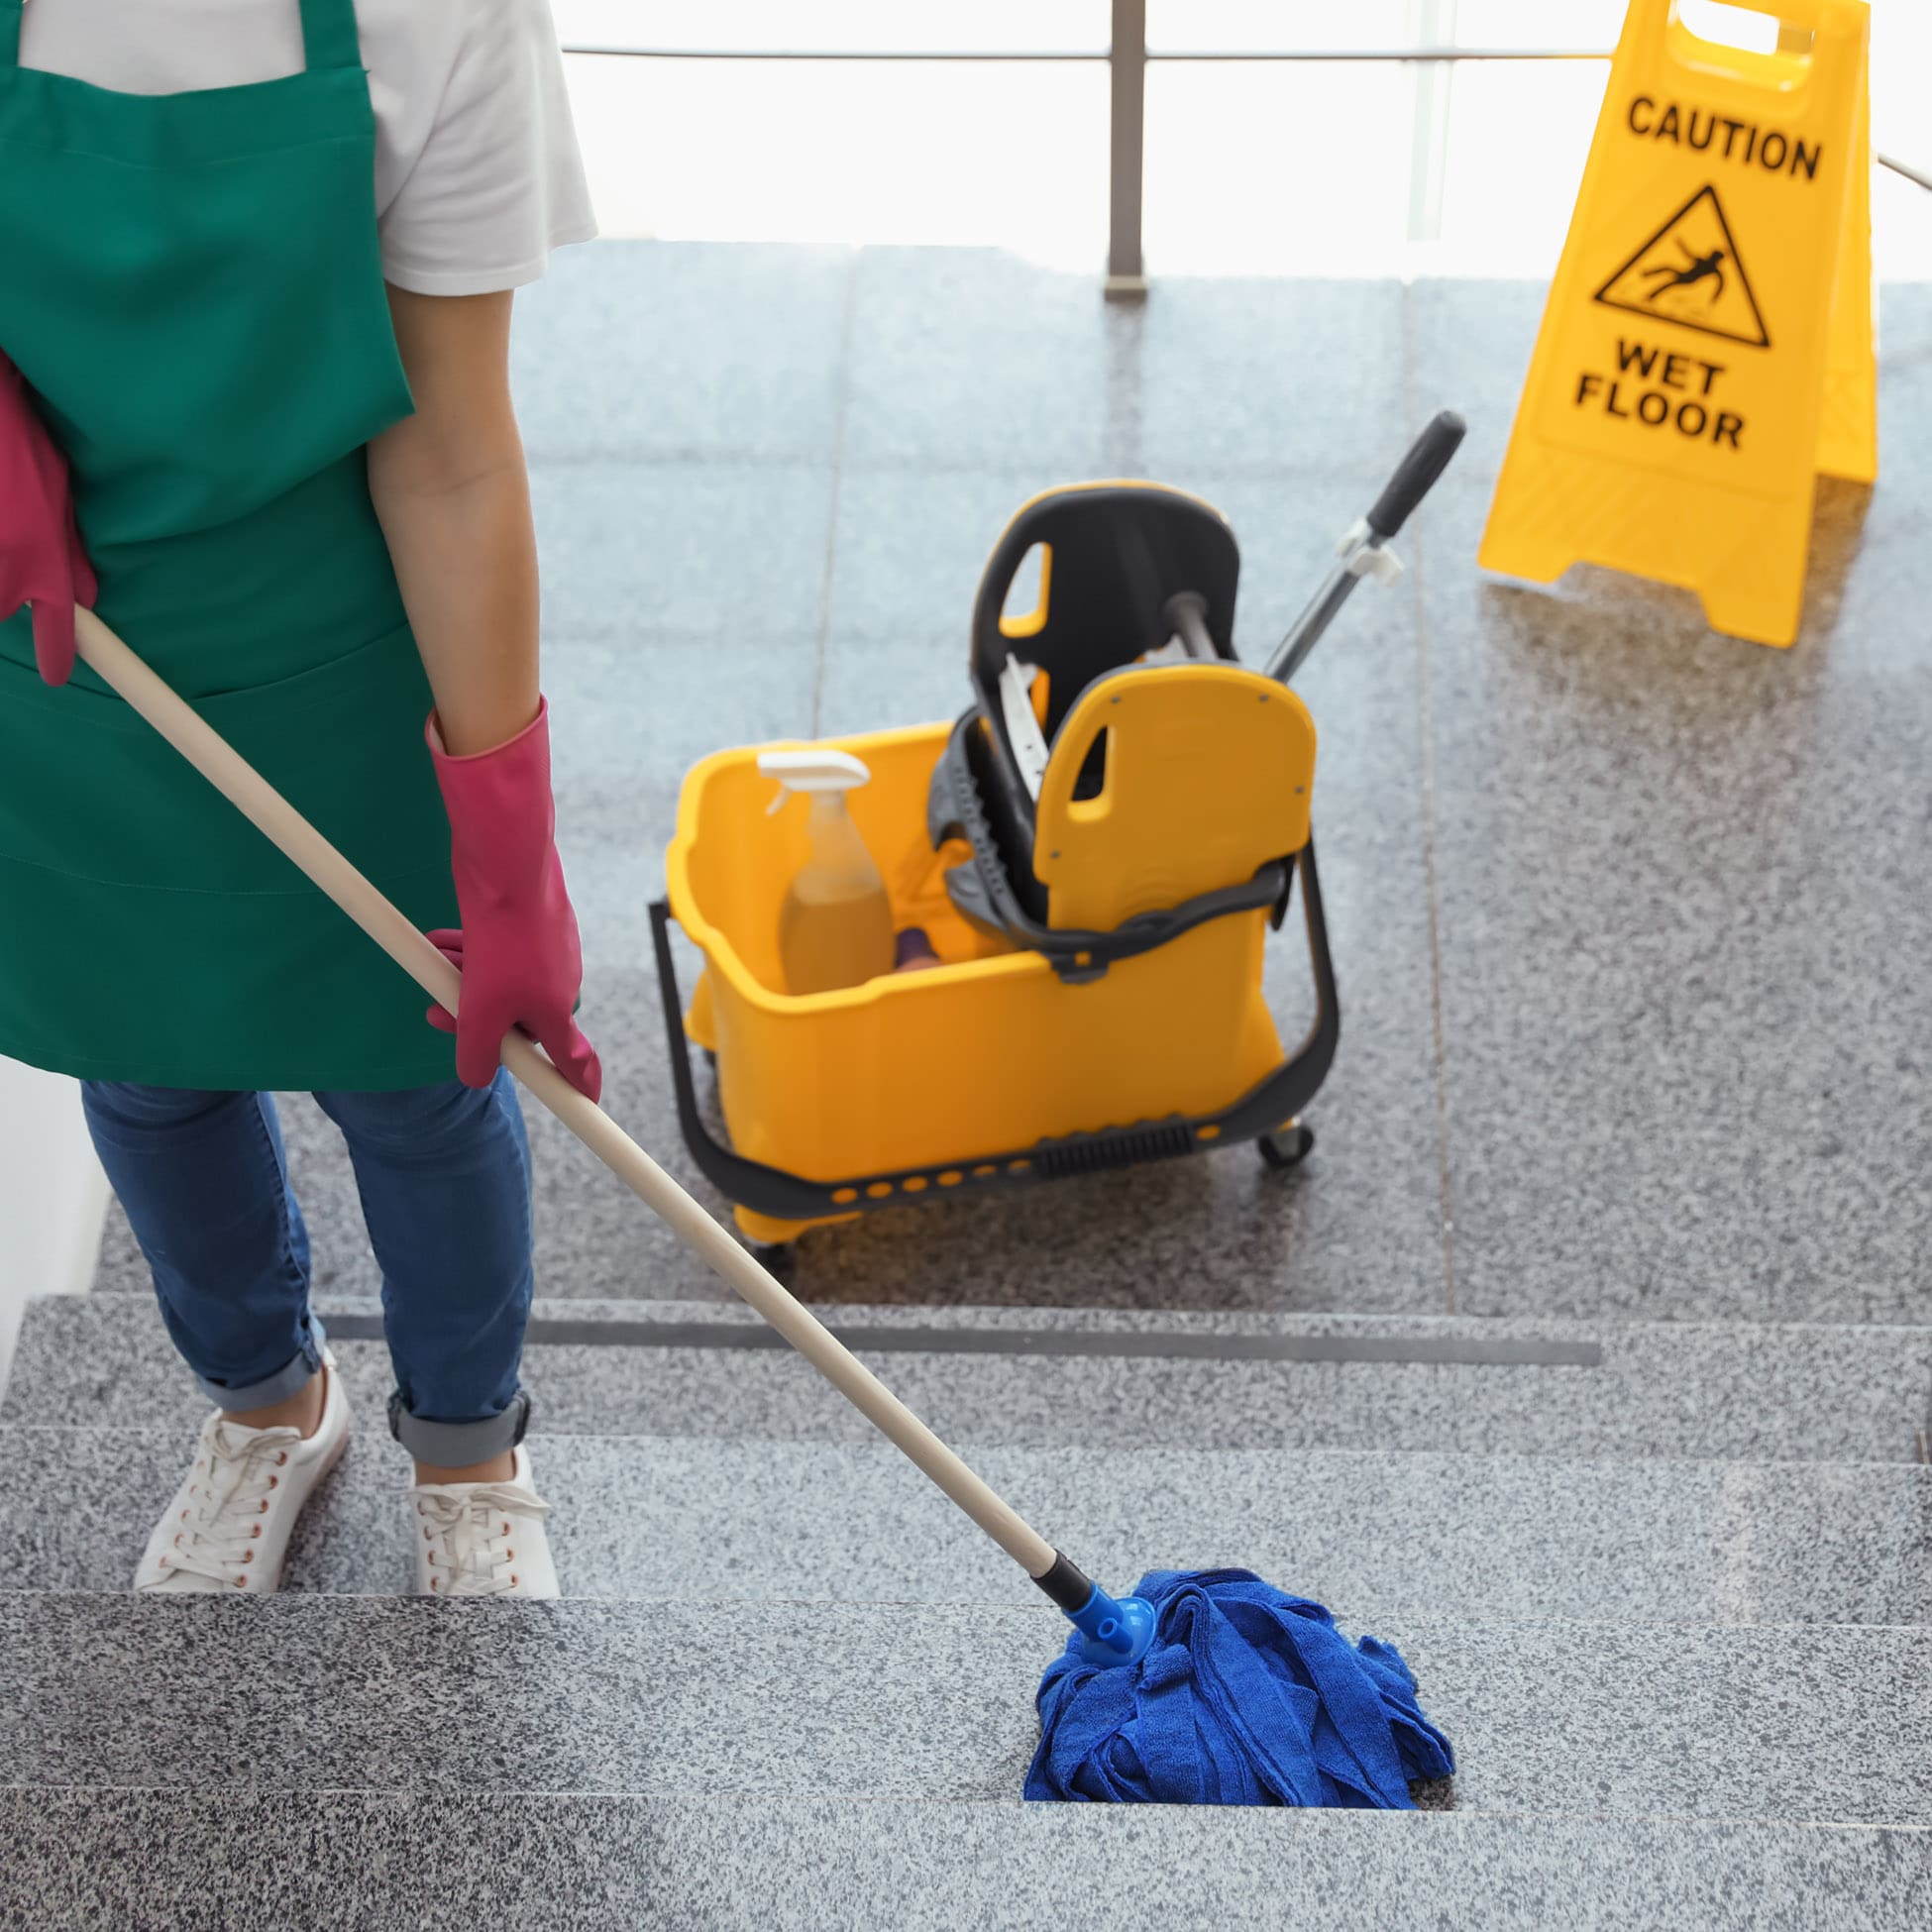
334	1862
1819	1724
1498	1537
1744	1392
1585	1358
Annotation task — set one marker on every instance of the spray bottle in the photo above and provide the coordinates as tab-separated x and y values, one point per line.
835	928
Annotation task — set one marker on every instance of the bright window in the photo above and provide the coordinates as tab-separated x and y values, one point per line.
1370	167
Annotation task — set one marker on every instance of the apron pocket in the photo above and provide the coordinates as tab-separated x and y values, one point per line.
91	789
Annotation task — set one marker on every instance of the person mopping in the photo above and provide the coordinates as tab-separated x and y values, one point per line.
260	256
217	418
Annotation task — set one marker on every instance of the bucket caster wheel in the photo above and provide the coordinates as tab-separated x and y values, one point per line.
710	1060
780	1258
1287	1146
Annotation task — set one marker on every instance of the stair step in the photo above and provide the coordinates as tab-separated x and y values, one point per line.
1127	1381
571	1863
1818	1723
1377	1535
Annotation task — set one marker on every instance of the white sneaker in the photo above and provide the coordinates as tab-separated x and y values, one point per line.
482	1539
229	1525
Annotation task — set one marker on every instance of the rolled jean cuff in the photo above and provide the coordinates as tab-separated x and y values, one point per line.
291	1378
457	1445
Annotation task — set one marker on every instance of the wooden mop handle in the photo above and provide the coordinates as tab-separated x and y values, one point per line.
250	792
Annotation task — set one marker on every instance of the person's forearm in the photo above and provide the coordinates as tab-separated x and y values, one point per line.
466	557
451	489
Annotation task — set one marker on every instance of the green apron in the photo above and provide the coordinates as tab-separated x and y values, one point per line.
193	287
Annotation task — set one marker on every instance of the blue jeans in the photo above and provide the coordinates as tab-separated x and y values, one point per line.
444	1175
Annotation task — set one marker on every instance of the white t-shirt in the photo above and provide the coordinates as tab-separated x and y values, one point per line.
477	173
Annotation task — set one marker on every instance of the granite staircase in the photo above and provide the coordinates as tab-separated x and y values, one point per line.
1667	1588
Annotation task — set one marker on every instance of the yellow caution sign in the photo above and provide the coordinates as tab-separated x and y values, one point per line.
1707	346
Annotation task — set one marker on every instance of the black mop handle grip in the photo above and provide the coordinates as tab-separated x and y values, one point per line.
1415	476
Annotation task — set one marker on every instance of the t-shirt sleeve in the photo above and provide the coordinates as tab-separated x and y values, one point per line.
491	179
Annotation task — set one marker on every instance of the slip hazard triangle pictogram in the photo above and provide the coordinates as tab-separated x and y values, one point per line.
1690	272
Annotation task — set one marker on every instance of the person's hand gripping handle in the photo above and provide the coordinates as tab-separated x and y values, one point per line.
517	949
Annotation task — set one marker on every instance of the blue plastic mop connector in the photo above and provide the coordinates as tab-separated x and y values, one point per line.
1113	1633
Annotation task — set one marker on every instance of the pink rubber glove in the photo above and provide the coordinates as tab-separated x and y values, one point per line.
42	561
517	950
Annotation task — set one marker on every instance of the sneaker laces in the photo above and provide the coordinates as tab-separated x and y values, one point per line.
237	1469
472	1525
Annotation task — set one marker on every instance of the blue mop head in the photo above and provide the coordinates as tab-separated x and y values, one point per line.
1246	1695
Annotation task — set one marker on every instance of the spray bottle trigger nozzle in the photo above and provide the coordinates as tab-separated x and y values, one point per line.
814	769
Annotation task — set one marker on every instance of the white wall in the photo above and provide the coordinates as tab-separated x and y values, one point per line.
53	1195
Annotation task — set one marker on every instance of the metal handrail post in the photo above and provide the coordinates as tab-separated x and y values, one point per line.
1126	63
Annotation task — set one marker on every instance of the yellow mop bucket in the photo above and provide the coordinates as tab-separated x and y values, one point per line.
1097	852
987	1071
